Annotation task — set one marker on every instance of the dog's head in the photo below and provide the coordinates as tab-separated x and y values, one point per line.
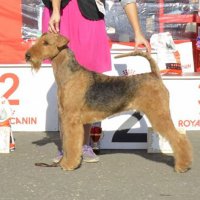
46	47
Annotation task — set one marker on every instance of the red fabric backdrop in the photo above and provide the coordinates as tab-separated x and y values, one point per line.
12	46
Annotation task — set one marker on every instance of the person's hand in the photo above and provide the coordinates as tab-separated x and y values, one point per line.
140	40
54	23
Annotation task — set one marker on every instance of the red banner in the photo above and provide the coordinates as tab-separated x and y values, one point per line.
12	46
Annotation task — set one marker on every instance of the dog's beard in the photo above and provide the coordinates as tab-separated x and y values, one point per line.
35	65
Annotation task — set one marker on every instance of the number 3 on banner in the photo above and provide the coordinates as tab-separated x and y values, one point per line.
13	87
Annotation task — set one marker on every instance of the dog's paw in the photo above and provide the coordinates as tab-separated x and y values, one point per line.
183	154
69	165
184	167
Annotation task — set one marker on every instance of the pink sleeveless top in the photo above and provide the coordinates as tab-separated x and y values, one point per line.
88	39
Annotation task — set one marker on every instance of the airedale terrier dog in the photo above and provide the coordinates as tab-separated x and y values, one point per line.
85	97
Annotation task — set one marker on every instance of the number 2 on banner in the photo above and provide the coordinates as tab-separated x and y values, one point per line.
13	87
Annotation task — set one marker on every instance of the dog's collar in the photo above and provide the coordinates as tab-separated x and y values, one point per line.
60	49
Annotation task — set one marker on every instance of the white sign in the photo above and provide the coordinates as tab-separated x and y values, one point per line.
185	101
32	97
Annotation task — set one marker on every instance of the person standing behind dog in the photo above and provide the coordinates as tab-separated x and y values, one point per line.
82	22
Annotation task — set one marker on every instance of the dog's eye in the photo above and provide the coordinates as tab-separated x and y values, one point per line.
45	43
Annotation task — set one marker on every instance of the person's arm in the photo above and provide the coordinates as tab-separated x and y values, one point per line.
55	17
131	11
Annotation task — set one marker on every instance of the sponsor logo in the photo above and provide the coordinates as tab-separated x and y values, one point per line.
24	120
189	123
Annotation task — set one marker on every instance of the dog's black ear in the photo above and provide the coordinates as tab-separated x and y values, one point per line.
61	41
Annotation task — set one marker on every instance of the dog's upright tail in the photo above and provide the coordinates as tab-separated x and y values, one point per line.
153	64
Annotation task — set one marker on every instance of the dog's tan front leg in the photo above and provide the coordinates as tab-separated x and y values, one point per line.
60	113
72	143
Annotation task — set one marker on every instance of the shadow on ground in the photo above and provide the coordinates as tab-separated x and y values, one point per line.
51	137
54	137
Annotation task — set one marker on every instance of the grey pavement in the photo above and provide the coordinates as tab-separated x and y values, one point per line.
120	174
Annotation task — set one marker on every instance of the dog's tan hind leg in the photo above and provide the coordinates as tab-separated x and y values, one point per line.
161	121
155	105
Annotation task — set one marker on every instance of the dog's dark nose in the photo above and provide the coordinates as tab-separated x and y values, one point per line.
27	56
